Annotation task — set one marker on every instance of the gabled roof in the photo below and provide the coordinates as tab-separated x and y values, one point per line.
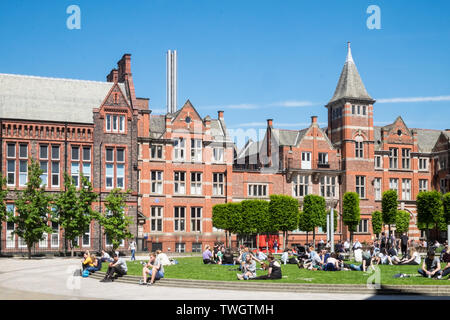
51	99
288	137
350	84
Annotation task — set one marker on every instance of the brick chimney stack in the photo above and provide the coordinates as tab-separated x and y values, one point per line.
220	114
124	67
314	119
113	76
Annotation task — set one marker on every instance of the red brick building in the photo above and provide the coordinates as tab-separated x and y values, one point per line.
180	164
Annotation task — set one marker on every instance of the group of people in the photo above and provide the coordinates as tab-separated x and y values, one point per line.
219	255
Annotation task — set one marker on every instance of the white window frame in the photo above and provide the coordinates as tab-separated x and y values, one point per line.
44	242
121	124
323	158
9	173
393	158
218	184
257	190
423	185
406	158
327	186
378	162
196	219
20	149
196	183
406	189
179	182
300	185
377	185
10	236
361	186
88	234
218	154
156	182
393	184
179	224
179	149
43	165
23	175
53	235
423	164
196	150
156	149
156	214
363	226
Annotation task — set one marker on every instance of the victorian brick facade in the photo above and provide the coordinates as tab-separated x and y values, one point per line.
179	165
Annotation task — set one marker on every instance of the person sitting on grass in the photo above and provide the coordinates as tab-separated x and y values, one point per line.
431	267
392	252
207	255
413	258
228	257
117	268
274	270
382	257
315	263
242	256
261	255
86	262
284	256
446	258
105	257
324	255
367	261
96	264
154	269
219	256
163	258
248	269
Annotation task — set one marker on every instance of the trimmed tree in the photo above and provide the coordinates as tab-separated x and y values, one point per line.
304	224
283	212
446	204
402	221
255	217
351	213
74	211
219	218
377	222
315	210
389	208
430	211
114	222
233	218
33	209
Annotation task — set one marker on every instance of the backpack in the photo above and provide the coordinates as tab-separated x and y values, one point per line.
85	274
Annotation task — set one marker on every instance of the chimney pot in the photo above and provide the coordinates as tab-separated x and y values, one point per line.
269	122
220	114
314	119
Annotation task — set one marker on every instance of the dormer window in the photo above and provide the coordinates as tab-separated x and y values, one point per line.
115	123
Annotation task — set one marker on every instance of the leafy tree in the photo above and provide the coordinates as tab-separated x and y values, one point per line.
446	204
219	218
256	219
304	224
74	210
402	221
283	212
430	211
33	208
351	214
389	208
377	222
314	207
114	221
234	217
3	194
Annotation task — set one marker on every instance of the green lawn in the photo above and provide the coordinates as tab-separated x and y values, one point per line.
193	268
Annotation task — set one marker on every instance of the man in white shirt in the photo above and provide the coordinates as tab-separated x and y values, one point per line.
346	245
133	249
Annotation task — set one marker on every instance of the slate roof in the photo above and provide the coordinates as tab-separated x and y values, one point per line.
288	137
51	99
350	84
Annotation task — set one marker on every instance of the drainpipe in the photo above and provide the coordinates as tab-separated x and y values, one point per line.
100	247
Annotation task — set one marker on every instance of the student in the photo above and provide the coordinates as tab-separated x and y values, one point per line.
207	256
219	256
392	252
154	269
116	268
132	248
248	269
367	259
96	264
275	246
383	258
446	258
413	258
105	257
383	241
404	243
163	258
431	266
284	256
86	262
227	257
261	256
347	245
332	263
274	270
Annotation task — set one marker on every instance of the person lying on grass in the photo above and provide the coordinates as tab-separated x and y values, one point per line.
413	258
274	270
248	268
154	269
431	267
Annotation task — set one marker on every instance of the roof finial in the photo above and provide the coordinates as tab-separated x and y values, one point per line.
349	53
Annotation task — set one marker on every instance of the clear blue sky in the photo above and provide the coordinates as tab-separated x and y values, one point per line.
253	59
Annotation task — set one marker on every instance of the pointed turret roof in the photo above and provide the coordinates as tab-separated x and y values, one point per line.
350	84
